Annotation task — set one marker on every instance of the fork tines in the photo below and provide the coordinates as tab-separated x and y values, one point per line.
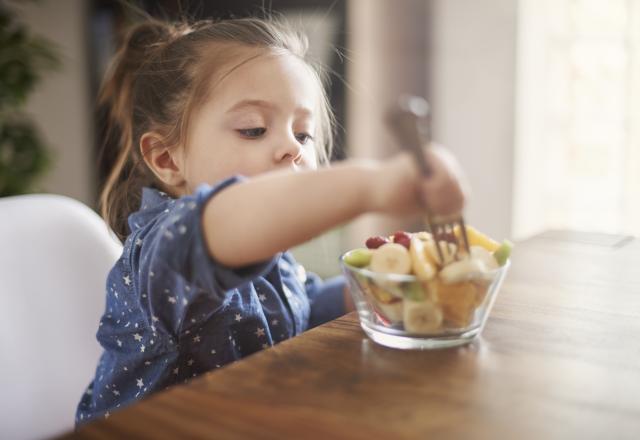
443	233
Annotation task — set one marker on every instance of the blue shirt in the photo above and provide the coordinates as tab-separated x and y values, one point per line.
173	312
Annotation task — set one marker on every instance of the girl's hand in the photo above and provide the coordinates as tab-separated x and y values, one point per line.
402	189
444	192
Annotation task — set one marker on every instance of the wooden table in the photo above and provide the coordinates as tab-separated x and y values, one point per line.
559	358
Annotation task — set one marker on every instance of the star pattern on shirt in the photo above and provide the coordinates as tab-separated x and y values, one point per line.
245	324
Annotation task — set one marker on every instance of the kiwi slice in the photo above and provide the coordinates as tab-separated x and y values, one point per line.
358	257
503	252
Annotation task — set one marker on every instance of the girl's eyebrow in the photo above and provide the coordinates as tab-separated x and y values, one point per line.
302	111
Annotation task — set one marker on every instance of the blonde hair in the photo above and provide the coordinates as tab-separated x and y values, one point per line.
160	74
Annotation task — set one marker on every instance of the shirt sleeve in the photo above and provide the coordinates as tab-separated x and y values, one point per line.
176	268
325	297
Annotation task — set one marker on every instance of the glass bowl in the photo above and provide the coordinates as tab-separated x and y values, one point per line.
401	311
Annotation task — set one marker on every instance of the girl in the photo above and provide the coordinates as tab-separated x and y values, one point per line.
221	127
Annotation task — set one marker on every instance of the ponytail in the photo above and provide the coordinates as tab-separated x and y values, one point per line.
121	193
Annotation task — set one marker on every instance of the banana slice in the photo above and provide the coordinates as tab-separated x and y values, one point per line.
448	252
480	253
424	235
462	270
391	258
422	266
421	317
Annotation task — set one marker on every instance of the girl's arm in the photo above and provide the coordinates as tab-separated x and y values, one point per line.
253	220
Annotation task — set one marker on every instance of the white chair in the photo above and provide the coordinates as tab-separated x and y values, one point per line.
55	254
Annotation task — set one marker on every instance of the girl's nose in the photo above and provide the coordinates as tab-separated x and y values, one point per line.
289	150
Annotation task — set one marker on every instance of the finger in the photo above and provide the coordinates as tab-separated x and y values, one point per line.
443	196
452	167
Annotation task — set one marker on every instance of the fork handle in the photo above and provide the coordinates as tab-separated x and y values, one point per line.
411	113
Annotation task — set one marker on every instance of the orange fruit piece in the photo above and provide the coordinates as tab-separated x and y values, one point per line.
482	287
458	302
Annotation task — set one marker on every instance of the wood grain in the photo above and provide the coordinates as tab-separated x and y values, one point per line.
559	358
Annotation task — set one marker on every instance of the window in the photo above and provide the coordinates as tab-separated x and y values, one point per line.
578	117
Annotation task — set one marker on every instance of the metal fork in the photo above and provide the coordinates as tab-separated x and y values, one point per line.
410	122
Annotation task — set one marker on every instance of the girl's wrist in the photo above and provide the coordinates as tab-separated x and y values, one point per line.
394	189
367	173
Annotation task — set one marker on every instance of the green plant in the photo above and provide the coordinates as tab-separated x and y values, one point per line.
23	58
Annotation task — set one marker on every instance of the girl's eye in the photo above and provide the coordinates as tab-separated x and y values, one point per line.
252	132
303	137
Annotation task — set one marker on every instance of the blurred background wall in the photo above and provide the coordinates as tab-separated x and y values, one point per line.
61	104
472	61
538	99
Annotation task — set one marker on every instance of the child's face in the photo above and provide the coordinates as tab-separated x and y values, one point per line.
259	118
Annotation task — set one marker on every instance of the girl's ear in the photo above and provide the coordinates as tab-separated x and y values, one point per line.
165	162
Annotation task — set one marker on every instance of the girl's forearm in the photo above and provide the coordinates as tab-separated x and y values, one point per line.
253	220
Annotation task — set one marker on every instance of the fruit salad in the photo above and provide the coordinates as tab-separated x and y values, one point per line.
410	287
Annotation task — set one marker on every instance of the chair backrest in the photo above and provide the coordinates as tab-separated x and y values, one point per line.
55	254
